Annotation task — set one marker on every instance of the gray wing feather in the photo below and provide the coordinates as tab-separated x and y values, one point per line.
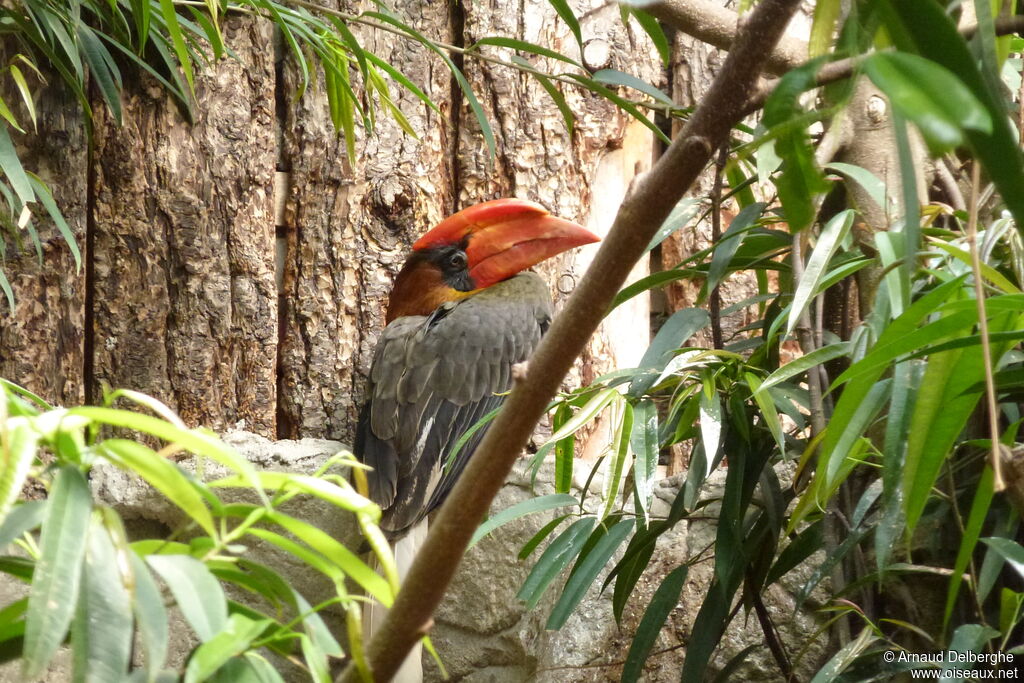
432	379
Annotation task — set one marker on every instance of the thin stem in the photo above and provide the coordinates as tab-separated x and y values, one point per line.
998	484
714	299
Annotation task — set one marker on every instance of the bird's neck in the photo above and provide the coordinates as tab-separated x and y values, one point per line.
419	289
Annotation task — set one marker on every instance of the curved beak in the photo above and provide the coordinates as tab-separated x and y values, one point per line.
506	236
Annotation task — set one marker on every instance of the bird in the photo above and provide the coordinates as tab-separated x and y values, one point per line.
463	316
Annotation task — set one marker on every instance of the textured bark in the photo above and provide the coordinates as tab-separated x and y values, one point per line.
583	177
185	302
348	230
336	216
41	340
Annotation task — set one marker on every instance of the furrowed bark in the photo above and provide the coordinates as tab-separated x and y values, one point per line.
636	222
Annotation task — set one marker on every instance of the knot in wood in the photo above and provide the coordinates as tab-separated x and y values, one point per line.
876	109
391	199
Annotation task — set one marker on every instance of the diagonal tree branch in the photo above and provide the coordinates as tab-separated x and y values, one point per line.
638	219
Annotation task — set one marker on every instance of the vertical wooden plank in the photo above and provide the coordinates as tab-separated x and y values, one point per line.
185	299
348	230
41	340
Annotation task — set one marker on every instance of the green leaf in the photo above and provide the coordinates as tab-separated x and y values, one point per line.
334	551
1009	550
673	334
401	79
23	517
653	30
846	655
800	365
682	213
197	593
150	615
539	537
829	241
194	440
554	93
623	104
345	498
826	14
644	443
927	29
26	93
17	453
728	243
232	641
46	199
555	558
102	67
584	574
11	166
623	428
979	510
105	610
619	78
928	94
57	576
564	450
566	13
865	178
521	509
664	600
162	475
516	44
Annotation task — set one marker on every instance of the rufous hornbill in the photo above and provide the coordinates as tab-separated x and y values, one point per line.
463	311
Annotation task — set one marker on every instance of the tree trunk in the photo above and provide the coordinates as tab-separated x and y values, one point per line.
177	297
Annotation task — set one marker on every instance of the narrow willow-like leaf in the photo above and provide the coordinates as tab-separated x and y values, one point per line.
564	451
17	453
197	593
102	67
664	600
521	509
57	575
567	15
555	558
625	105
728	243
586	572
617	464
644	443
865	178
233	640
10	164
162	475
23	517
334	551
673	334
194	440
524	46
26	93
615	77
826	14
150	616
846	655
654	32
554	93
972	531
106	606
828	243
1009	550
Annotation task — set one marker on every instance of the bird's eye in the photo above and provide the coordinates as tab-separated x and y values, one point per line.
456	260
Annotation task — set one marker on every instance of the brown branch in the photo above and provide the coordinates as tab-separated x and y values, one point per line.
715	25
638	219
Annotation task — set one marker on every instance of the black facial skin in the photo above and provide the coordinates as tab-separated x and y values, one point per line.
452	262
